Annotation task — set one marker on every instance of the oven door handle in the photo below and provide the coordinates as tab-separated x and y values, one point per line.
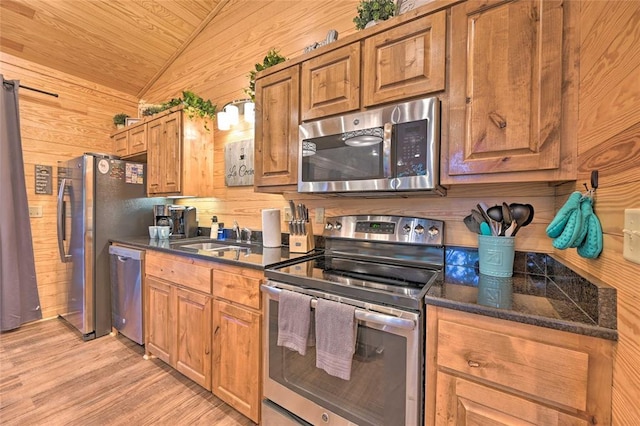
361	314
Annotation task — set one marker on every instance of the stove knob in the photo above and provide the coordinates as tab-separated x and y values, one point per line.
419	229
433	232
406	228
328	226
338	225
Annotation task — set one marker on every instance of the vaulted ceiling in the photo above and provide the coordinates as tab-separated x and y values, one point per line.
122	44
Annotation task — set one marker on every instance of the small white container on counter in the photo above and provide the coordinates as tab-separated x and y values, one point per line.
271	228
163	232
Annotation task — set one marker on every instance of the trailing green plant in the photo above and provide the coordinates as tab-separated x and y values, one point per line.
193	105
120	118
152	110
272	58
374	10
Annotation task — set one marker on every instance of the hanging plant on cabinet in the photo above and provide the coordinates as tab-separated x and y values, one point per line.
272	58
194	106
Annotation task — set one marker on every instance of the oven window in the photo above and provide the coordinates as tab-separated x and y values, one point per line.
334	160
375	395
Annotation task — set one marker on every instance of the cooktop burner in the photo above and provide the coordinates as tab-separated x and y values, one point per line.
383	259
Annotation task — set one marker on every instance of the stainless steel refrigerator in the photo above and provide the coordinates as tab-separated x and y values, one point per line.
100	197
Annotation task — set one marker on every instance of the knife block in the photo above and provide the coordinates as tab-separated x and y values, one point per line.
302	243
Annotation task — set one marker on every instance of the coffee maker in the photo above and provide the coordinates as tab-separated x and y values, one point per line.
184	224
162	216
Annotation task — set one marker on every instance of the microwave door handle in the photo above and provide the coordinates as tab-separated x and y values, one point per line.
386	150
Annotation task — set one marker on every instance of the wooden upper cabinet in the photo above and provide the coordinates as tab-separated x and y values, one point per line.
405	61
179	156
276	133
331	83
121	143
137	140
506	90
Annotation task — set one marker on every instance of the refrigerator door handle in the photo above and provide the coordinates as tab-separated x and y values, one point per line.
64	257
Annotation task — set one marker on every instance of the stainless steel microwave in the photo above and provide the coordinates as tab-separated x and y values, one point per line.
394	148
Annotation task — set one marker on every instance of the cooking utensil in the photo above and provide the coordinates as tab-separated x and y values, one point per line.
495	213
472	224
520	213
477	216
506	214
531	213
485	229
509	231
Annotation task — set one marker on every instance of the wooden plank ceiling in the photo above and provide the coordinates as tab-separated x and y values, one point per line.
121	44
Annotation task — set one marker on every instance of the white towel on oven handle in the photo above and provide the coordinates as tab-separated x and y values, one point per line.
294	313
336	328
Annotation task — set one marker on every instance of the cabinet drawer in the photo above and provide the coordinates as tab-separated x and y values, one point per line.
180	270
551	373
237	287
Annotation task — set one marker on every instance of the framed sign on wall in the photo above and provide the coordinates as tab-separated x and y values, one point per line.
238	163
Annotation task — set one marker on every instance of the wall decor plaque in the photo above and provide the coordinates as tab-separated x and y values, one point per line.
43	176
238	163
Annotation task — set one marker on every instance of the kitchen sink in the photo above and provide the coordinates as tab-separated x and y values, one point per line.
210	247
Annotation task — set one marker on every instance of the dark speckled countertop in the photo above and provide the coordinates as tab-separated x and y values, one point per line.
542	292
253	255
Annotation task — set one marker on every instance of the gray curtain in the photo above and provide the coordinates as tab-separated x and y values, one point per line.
19	300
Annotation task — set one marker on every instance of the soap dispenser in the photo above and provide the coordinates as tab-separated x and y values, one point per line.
214	228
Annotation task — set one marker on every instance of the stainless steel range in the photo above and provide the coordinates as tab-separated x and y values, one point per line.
382	265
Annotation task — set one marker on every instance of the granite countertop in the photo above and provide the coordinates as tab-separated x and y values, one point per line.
250	255
541	292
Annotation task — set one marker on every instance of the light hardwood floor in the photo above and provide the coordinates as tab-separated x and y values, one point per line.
49	376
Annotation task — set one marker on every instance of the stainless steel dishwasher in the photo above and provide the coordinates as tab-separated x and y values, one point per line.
126	292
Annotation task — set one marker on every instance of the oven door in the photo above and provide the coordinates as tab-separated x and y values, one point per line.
386	377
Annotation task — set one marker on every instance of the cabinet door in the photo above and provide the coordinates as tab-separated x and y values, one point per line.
331	83
461	402
161	326
138	139
405	61
276	134
506	86
154	152
171	154
164	154
121	144
236	360
193	352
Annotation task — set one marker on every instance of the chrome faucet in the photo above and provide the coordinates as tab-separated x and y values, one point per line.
236	231
247	232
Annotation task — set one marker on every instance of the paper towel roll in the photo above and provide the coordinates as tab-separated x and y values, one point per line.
271	228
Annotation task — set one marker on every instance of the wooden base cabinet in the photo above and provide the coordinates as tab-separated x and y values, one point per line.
483	370
237	343
178	318
236	359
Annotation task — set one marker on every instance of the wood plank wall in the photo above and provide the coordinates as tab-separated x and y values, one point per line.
55	129
216	66
609	141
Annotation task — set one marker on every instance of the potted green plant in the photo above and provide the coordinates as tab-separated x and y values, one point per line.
120	119
272	58
371	11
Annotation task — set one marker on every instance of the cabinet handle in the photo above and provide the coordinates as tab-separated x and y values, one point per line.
473	364
217	329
